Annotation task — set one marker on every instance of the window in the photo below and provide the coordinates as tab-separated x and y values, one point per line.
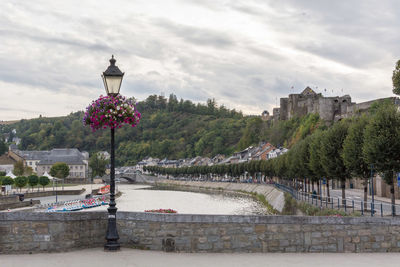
30	163
81	167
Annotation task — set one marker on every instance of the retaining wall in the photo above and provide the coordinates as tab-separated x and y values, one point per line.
274	196
45	232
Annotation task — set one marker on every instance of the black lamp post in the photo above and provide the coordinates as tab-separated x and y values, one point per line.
112	79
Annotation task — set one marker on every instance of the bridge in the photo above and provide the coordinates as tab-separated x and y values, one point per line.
130	178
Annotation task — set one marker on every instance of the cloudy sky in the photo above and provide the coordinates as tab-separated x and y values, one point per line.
245	54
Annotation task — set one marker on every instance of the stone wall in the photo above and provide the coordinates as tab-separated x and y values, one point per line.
45	232
274	196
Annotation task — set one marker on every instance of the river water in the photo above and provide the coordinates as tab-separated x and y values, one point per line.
140	198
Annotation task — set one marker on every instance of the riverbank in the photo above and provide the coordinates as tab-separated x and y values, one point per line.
263	192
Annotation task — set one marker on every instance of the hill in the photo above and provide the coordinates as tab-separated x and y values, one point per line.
168	128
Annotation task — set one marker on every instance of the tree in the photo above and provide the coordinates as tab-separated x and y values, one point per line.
315	164
2	173
33	180
43	181
382	144
8	181
18	168
353	153
20	182
396	79
97	163
59	170
331	154
3	147
5	180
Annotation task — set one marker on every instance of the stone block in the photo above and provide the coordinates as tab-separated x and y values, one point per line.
364	232
315	234
38	238
340	244
211	231
326	233
376	245
204	246
291	249
227	245
316	249
352	232
260	228
307	238
202	240
330	248
4	230
349	247
212	239
283	243
218	246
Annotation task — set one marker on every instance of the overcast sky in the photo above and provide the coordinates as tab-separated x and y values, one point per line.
245	54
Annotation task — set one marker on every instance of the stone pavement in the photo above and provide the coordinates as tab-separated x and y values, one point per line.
131	257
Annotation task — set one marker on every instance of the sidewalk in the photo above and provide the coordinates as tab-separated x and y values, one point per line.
131	257
360	193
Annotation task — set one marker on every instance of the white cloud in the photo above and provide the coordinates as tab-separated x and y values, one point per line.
245	54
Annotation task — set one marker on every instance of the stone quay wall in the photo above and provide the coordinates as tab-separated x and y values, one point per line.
22	232
274	196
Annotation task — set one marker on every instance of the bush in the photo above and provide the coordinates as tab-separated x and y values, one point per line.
33	180
43	181
290	207
7	180
20	182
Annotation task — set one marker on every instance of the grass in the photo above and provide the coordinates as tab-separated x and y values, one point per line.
291	207
261	198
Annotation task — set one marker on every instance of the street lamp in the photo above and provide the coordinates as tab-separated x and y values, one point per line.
112	79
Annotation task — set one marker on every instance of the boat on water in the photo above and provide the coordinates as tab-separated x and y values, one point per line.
76	205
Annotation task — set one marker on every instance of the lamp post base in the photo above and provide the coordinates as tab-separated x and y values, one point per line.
112	246
112	236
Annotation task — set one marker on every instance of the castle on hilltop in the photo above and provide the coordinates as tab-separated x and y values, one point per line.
329	108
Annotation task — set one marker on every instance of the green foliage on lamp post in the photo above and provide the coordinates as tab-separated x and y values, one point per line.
20	182
43	181
382	143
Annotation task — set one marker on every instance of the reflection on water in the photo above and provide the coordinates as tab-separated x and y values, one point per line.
138	198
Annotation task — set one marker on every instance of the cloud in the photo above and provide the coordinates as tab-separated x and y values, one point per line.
245	54
197	35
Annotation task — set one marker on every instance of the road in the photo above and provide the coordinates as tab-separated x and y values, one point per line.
357	196
131	257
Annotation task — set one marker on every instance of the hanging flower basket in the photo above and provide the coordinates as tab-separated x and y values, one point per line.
111	112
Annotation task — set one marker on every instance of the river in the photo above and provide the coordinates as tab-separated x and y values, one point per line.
140	198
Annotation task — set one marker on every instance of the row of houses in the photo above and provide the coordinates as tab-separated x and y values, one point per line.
41	161
264	151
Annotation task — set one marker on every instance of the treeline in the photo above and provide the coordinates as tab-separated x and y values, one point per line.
351	148
168	129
